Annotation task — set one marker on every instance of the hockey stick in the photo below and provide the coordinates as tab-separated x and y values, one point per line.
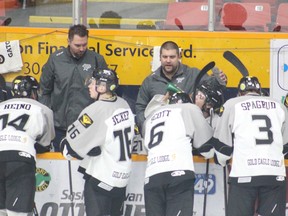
211	111
35	212
234	60
71	187
204	70
206	186
225	190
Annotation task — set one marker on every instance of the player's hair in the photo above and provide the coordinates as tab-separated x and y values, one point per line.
24	87
249	84
79	29
111	15
179	97
109	77
170	45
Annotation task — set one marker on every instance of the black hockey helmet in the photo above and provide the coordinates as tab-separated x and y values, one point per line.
286	101
250	84
23	86
109	77
213	94
179	97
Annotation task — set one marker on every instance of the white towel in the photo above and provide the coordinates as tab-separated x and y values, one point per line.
156	58
10	57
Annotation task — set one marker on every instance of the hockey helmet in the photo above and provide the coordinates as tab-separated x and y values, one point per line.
213	94
249	83
23	86
107	76
179	97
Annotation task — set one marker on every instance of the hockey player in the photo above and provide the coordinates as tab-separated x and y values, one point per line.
253	131
102	137
169	130
209	97
25	126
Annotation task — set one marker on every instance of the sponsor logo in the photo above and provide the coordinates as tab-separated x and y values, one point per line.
85	120
178	173
43	179
203	183
2	59
24	154
60	53
280	178
221	111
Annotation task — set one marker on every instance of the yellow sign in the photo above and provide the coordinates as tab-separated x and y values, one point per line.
130	52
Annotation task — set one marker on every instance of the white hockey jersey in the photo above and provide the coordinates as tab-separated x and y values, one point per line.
23	122
109	125
168	132
257	129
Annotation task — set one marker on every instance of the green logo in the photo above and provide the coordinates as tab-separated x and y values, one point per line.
43	179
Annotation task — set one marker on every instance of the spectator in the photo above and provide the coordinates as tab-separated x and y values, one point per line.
102	137
170	71
62	81
110	19
26	128
168	133
253	131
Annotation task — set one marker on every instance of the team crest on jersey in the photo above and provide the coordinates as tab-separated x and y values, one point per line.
86	67
85	120
179	80
221	110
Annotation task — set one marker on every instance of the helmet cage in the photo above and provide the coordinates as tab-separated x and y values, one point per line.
23	86
213	98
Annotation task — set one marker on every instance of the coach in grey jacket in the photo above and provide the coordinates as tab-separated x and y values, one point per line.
62	81
170	71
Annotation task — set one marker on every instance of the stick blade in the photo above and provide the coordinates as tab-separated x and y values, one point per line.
203	71
234	60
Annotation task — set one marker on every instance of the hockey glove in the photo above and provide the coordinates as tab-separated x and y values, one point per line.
67	151
94	151
220	76
41	149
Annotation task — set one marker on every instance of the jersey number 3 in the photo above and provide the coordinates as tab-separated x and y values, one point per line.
263	129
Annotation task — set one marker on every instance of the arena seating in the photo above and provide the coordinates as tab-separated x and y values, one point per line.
246	16
187	16
282	18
